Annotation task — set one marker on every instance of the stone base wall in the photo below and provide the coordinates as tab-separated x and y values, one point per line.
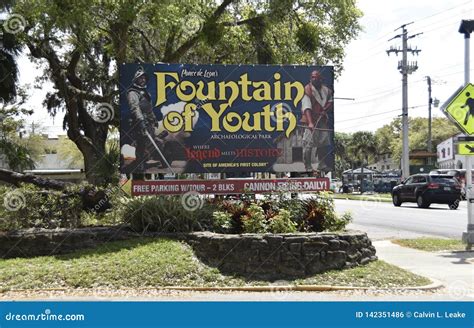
282	255
43	242
271	256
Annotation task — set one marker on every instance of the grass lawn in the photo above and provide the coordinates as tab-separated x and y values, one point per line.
162	262
370	197
432	244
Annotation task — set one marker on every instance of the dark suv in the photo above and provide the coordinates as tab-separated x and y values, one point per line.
425	189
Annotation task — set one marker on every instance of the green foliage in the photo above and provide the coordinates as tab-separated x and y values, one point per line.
108	218
363	147
237	210
432	244
166	214
336	222
31	207
90	37
18	156
320	214
20	150
278	214
352	150
107	168
255	221
136	263
389	137
282	223
69	154
221	221
343	158
307	37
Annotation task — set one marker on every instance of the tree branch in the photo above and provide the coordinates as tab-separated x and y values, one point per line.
178	53
16	179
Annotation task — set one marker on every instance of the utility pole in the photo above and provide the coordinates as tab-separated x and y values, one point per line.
405	68
466	28
430	101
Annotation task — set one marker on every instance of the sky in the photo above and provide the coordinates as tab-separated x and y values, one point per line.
370	76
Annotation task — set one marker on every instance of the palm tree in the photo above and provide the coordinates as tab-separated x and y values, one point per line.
341	152
362	146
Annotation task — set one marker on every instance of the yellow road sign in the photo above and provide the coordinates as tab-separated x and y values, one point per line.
460	109
466	148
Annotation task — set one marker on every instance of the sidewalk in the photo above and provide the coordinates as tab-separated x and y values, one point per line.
454	269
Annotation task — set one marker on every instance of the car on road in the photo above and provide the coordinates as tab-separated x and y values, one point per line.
459	174
426	189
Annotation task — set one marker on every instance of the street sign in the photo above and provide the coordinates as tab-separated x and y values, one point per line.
466	148
460	109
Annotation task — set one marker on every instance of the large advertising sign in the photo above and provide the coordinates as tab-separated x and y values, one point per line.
226	118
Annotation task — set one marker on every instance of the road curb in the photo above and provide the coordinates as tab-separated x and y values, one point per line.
380	200
297	288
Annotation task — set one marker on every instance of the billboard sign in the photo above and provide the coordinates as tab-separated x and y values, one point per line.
178	118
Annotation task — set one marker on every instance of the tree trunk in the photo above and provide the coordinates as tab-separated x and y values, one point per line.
88	134
92	164
92	147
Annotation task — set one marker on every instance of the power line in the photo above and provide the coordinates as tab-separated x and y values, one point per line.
443	11
362	117
384	94
378	120
381	38
393	90
368	123
377	114
438	13
378	44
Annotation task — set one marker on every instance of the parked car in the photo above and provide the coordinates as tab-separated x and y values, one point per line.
426	189
346	188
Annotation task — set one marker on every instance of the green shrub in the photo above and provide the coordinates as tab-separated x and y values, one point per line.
222	221
255	221
104	207
166	214
237	210
278	213
320	215
30	207
337	223
109	218
296	208
282	223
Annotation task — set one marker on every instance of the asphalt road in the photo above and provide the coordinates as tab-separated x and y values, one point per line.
384	221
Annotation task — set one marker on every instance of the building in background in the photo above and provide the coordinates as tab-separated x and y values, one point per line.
384	162
447	156
51	163
422	161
